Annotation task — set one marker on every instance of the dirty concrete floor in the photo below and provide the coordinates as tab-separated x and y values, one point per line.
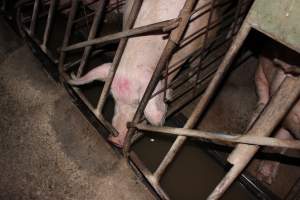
47	148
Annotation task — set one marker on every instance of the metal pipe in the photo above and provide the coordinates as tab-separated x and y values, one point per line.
206	97
149	176
72	64
124	34
48	24
34	17
275	111
67	36
100	117
223	137
92	35
174	39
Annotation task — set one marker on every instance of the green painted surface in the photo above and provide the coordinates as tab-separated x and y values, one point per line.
279	19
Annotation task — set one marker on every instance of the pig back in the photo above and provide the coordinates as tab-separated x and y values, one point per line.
144	51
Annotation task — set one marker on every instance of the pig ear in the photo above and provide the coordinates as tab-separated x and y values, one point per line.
98	73
155	110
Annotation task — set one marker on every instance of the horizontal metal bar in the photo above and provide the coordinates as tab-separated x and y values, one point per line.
235	138
123	34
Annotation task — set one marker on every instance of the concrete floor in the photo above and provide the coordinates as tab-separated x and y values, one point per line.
48	150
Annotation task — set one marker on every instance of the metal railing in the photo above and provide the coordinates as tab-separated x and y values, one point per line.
200	74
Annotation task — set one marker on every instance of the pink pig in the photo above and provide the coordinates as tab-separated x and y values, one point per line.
138	63
268	78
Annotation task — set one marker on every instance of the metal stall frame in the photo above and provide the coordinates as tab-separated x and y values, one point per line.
128	31
258	133
176	27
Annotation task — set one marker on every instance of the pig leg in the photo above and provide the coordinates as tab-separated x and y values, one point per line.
98	73
267	169
262	89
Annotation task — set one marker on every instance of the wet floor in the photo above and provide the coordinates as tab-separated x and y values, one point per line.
48	149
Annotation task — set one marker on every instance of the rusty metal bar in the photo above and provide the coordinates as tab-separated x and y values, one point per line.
92	35
223	137
48	24
174	39
126	33
100	117
72	64
148	175
279	105
34	17
67	36
209	92
130	22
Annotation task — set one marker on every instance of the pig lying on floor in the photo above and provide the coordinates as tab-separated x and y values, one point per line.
138	63
268	77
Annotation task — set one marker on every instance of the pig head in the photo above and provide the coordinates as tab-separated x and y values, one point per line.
127	90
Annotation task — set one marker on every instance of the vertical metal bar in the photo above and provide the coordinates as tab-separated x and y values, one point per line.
174	39
236	18
206	97
49	24
211	12
92	35
34	17
71	18
129	23
275	111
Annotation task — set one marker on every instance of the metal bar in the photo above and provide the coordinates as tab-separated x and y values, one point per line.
130	22
100	117
275	111
67	36
126	33
83	18
49	24
223	137
174	39
148	175
207	96
92	35
72	64
34	17
205	41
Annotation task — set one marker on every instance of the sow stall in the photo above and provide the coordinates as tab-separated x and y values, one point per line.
78	36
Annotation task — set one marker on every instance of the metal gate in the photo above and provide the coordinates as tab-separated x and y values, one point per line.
200	72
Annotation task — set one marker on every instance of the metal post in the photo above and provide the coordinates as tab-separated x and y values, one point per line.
174	39
67	36
92	34
34	17
48	24
207	96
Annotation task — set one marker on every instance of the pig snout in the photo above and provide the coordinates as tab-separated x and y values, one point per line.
123	114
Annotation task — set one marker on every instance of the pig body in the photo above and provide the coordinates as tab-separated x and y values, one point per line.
138	63
268	78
